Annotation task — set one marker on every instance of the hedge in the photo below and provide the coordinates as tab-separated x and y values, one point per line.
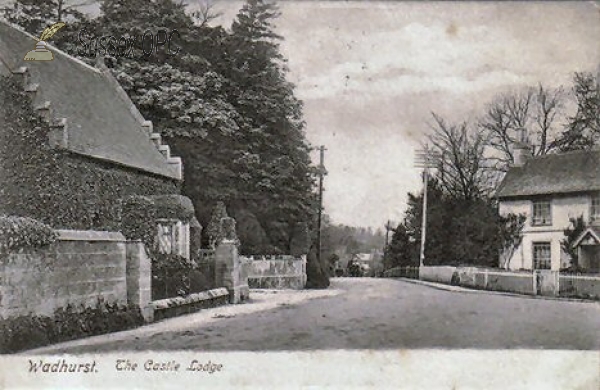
68	323
22	232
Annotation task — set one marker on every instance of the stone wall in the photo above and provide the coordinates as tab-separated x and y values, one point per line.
78	269
283	272
440	274
231	272
546	282
521	283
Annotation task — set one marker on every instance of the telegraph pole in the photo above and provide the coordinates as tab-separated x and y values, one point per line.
424	159
388	227
321	174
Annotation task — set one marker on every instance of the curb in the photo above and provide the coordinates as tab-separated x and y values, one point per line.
446	287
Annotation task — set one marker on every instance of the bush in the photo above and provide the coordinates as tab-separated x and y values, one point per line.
31	331
23	232
174	275
173	207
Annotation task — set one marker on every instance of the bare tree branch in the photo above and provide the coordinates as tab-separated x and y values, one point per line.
205	13
458	152
538	111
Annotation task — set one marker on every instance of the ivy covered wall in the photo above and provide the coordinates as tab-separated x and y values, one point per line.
57	187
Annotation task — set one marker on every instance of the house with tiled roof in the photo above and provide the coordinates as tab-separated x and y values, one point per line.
91	150
551	190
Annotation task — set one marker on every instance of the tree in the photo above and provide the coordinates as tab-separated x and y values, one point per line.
213	230
35	15
403	250
458	153
583	129
205	13
511	234
577	226
459	231
223	104
539	111
317	275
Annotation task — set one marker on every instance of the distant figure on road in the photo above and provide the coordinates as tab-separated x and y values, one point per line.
354	269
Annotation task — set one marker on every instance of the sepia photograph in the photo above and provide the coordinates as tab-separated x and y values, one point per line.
317	194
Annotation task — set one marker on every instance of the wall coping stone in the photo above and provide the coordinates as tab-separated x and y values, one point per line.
89	235
192	298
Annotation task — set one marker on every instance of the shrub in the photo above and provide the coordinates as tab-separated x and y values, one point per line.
68	323
174	275
23	232
173	207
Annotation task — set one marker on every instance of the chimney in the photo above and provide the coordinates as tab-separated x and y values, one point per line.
522	148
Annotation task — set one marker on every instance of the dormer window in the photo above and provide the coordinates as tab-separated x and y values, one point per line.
595	208
542	213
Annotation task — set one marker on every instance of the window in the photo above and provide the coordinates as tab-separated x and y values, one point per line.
542	258
595	209
173	238
542	215
165	238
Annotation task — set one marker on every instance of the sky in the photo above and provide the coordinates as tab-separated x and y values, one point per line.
371	73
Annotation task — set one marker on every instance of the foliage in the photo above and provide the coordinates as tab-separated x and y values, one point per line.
56	187
572	233
402	251
223	104
35	15
300	240
68	323
173	207
583	129
174	275
511	236
138	219
317	275
459	231
214	230
23	232
349	240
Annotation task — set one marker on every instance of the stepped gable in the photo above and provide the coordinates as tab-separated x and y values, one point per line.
89	112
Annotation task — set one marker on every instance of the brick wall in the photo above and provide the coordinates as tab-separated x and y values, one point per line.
78	268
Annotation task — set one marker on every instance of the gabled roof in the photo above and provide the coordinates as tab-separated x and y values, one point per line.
553	174
591	235
102	121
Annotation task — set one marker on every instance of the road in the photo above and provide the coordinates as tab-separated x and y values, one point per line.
381	314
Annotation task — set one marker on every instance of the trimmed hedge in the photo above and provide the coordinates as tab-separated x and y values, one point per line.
23	232
32	331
